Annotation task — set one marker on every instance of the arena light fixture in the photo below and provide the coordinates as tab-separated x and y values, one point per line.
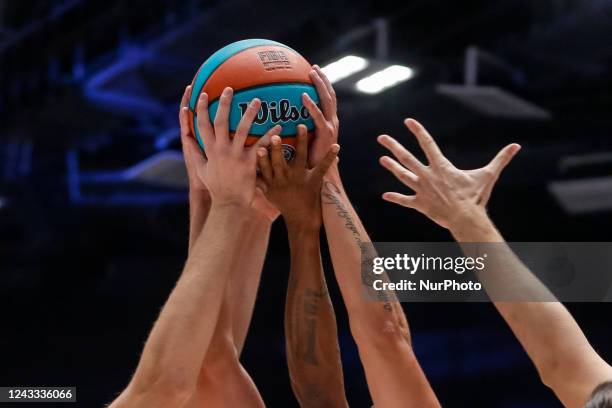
344	67
582	196
384	79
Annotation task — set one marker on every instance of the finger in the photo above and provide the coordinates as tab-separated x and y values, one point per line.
327	161
314	111
186	97
503	158
408	201
244	126
301	156
496	166
405	176
265	167
404	156
266	139
328	85
194	158
260	184
279	165
324	95
427	143
203	121
184	122
222	117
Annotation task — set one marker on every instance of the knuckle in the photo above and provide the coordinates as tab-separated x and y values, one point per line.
405	157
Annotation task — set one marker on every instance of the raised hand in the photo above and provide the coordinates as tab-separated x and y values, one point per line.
326	121
231	168
443	192
292	187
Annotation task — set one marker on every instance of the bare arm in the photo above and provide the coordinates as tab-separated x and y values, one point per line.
313	353
244	285
551	337
238	309
456	199
223	381
380	329
169	367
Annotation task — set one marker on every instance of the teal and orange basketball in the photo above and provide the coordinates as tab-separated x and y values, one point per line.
257	68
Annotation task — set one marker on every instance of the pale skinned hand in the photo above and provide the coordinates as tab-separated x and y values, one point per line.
229	172
292	187
195	162
444	193
325	119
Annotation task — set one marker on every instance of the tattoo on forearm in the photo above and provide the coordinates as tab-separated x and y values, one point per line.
332	195
311	305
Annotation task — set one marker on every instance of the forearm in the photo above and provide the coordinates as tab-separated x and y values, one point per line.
199	208
349	245
380	328
548	332
313	353
166	356
242	288
244	284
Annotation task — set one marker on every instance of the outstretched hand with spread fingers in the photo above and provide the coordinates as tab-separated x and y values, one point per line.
443	192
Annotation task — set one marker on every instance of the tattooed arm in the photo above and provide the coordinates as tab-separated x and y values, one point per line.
313	355
380	329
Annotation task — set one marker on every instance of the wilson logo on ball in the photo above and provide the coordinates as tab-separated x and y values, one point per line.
280	112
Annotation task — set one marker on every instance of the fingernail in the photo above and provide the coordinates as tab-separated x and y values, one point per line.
261	152
316	66
276	140
227	91
335	148
255	102
203	96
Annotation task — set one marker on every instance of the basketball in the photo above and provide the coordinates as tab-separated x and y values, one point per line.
257	68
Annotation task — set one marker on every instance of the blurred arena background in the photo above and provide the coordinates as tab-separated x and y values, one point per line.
93	212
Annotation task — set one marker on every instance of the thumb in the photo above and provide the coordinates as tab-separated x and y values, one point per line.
497	165
503	158
327	161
